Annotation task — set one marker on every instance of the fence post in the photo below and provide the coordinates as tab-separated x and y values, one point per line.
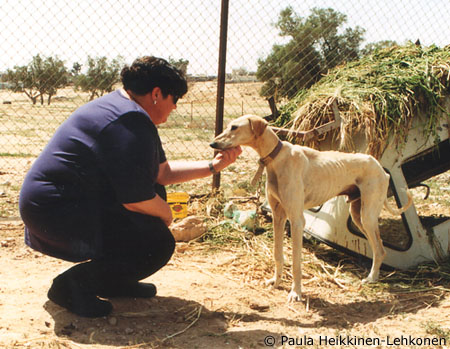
221	74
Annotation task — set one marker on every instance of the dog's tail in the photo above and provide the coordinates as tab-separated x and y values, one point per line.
402	209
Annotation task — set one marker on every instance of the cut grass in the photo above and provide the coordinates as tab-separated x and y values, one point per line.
378	95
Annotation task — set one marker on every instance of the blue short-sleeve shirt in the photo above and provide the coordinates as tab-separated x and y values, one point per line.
105	154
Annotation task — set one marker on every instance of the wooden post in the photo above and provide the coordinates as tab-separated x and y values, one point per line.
221	75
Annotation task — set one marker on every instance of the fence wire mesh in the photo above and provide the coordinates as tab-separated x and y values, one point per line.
274	48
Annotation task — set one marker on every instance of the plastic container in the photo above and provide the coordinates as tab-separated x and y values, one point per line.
178	204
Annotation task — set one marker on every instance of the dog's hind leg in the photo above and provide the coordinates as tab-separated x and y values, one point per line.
355	212
279	222
369	221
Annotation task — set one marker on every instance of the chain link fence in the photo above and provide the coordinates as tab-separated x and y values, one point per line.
274	48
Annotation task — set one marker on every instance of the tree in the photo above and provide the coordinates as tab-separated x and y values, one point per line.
242	71
316	45
101	76
41	76
50	74
181	64
21	81
76	69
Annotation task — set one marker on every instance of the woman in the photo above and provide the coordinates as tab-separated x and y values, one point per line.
96	193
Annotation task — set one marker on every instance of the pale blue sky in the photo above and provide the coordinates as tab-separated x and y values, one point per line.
185	29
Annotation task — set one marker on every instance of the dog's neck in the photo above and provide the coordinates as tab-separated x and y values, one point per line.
267	143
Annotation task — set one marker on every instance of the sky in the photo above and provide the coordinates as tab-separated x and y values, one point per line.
189	29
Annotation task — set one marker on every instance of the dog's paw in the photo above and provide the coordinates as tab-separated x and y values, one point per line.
272	282
368	280
372	277
293	296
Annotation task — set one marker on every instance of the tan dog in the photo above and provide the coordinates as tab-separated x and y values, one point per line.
299	178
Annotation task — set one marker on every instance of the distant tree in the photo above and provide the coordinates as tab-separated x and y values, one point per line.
76	69
51	75
181	64
316	44
75	72
242	71
40	77
21	81
101	76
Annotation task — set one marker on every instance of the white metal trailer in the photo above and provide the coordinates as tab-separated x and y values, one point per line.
416	160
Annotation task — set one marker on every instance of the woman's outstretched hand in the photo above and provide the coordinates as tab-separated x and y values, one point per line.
226	157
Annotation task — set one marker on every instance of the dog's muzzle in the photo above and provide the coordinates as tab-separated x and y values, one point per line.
214	145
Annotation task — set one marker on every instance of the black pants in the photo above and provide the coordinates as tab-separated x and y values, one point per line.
133	247
129	256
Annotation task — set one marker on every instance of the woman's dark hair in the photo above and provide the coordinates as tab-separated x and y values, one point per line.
148	72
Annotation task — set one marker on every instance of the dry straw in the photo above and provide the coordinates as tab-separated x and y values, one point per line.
378	96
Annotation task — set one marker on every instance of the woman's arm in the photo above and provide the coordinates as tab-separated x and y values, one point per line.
177	172
154	207
182	171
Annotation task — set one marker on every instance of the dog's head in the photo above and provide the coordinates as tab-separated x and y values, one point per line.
241	131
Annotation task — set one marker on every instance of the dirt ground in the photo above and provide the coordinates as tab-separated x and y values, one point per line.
210	298
212	295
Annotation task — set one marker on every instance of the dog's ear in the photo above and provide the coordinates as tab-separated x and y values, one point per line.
258	125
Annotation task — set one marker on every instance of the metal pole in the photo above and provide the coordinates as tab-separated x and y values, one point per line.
221	74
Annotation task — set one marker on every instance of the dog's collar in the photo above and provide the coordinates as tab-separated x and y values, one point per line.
267	159
263	162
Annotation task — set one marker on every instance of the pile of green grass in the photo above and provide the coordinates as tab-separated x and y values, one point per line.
379	95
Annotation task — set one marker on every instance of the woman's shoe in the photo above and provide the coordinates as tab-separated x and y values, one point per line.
69	294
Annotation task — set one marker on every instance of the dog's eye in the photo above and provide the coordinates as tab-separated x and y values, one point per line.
234	127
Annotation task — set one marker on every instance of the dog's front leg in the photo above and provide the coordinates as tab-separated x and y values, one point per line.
279	222
297	225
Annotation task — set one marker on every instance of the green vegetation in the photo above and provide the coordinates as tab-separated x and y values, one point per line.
42	76
378	94
315	46
101	76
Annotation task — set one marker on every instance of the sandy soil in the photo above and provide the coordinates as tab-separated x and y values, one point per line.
210	298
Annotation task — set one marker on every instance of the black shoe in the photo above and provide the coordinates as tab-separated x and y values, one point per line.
133	290
70	295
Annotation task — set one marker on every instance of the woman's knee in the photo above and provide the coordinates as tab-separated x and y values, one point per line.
165	247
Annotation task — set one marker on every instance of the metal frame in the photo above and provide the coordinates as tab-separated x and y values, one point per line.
330	223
